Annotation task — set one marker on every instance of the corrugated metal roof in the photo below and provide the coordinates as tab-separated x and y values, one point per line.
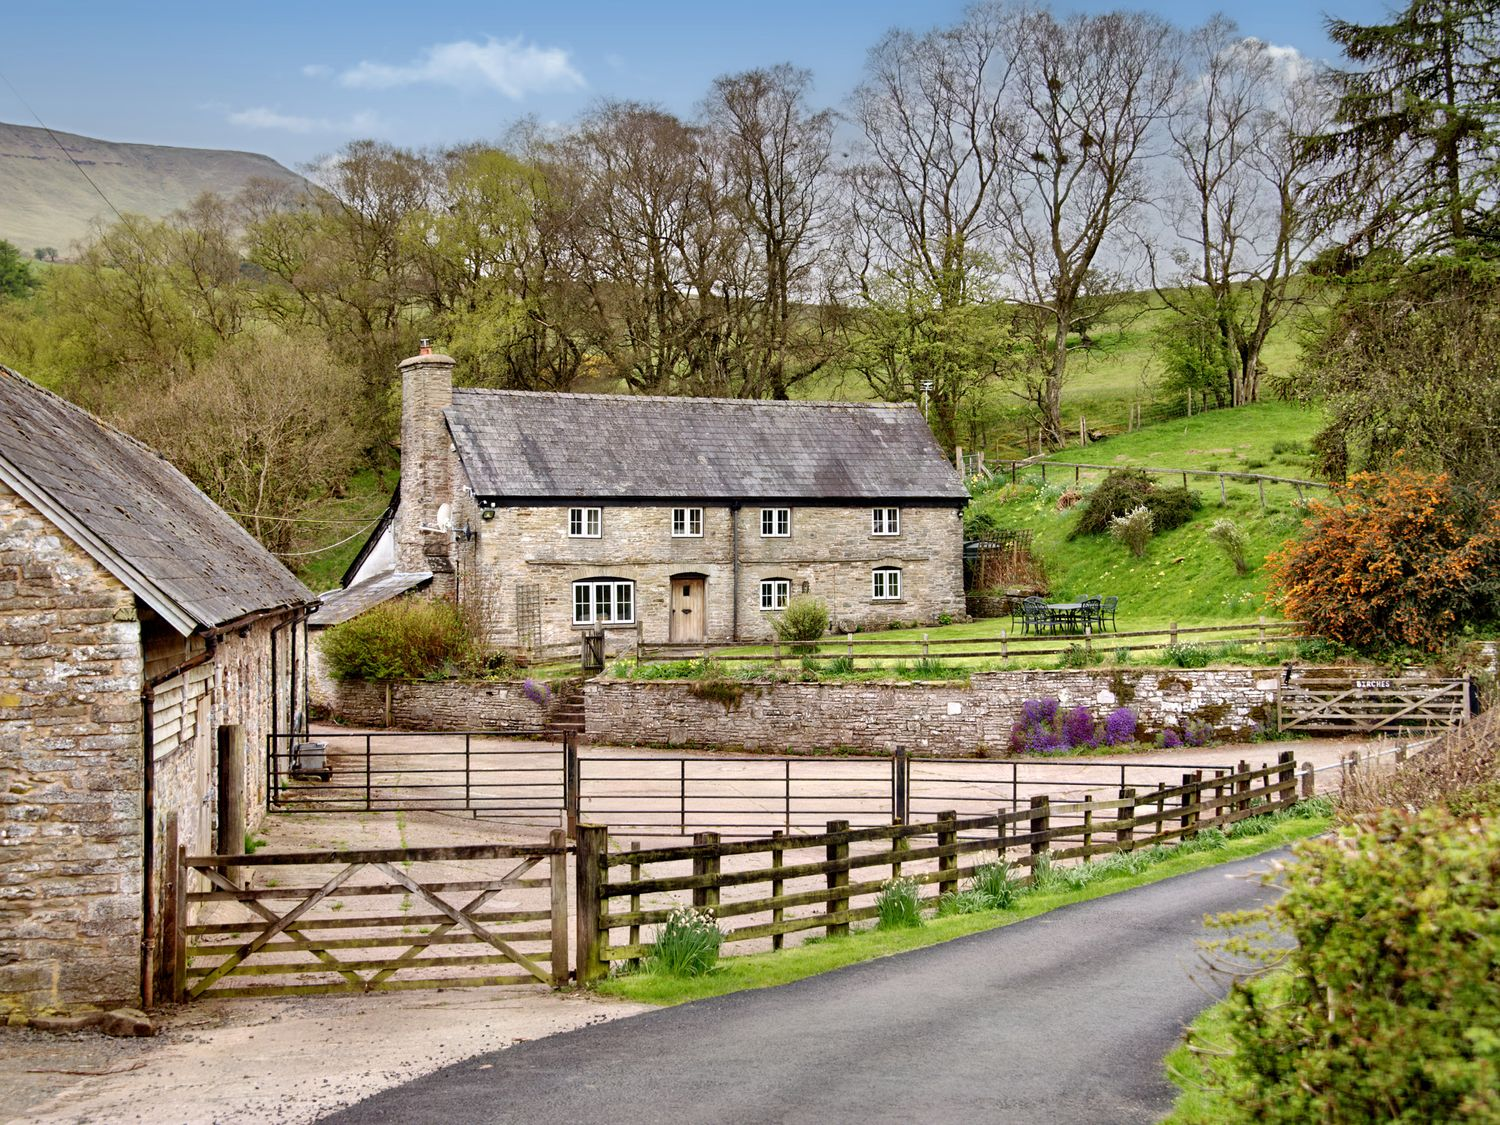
135	513
528	444
341	605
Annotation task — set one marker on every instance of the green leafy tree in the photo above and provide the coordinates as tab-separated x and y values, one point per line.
16	279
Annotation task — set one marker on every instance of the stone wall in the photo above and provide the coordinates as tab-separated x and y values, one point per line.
70	771
829	554
435	705
934	718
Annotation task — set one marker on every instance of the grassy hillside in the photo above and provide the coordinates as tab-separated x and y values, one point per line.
1182	576
45	202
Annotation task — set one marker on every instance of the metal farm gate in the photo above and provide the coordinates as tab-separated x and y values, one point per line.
1407	705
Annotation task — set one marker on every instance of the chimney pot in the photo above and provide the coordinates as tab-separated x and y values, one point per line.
424	346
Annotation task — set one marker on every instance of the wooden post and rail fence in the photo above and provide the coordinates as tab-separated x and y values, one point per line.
829	880
1007	644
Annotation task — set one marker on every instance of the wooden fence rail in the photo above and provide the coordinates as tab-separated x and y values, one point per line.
1259	479
829	880
853	648
381	920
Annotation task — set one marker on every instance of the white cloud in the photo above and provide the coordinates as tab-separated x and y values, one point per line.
317	70
260	117
509	66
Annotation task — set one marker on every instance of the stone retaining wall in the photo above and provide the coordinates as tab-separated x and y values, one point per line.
933	718
435	705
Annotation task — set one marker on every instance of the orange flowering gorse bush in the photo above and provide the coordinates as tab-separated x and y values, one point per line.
1407	559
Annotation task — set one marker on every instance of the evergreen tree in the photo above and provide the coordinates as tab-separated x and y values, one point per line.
16	279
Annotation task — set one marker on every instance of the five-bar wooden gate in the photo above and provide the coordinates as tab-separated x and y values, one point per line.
1368	706
273	924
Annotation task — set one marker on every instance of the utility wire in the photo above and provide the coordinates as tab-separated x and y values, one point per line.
331	546
63	149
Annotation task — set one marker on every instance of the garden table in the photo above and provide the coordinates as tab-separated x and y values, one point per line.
1064	613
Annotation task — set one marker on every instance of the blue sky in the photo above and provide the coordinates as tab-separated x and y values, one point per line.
298	80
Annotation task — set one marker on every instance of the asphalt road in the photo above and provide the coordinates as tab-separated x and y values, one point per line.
1062	1018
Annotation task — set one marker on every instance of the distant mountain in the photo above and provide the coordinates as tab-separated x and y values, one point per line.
45	202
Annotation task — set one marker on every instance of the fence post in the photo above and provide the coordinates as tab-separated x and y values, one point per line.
571	778
1287	777
388	705
635	900
593	852
947	837
1223	496
177	935
1088	823
1004	646
1174	632
1185	822
1309	781
900	787
1242	787
706	898
924	646
558	885
1125	833
849	648
777	913
1041	822
367	761
1088	639
838	852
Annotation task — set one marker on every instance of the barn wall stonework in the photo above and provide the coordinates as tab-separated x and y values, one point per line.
830	552
70	771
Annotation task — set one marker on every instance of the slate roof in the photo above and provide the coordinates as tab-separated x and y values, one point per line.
535	445
139	517
351	601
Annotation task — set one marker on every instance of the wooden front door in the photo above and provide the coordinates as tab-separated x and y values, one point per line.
689	622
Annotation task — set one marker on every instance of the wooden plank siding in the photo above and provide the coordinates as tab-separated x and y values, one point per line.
374	920
1366	706
766	888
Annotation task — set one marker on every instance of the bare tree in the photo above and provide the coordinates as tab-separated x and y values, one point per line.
646	232
1244	218
1091	94
936	137
776	152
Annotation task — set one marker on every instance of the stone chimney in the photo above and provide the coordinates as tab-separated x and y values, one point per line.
425	517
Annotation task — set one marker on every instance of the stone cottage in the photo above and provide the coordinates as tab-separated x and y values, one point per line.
675	519
148	647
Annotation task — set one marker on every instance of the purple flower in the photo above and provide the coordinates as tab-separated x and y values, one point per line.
1119	727
540	694
1079	729
1170	739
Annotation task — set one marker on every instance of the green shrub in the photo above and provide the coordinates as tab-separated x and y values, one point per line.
1123	491
898	905
1188	656
804	619
687	945
1388	1010
1232	542
402	639
1077	656
995	885
1133	529
839	666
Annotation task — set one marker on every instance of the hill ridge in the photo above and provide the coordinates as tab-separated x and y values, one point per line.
45	202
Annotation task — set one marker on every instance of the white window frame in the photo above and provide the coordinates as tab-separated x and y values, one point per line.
885	521
882	588
582	519
774	594
591	603
778	520
687	523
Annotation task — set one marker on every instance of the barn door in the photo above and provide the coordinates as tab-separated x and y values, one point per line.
689	622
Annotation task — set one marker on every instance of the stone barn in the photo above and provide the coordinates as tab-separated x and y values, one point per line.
673	519
148	648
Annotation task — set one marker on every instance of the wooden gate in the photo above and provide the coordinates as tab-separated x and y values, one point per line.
1367	706
370	921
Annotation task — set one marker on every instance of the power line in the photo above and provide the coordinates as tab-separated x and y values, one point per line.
64	150
331	546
